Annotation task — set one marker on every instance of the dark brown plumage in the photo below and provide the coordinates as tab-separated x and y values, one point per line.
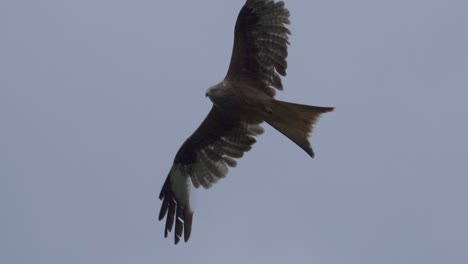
241	102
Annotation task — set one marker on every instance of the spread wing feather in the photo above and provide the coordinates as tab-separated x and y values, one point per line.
260	45
202	160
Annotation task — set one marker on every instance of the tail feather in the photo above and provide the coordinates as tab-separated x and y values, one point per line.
296	121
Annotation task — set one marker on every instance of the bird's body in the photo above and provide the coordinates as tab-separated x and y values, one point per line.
244	101
241	103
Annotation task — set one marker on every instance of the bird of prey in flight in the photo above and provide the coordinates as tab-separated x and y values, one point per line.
241	102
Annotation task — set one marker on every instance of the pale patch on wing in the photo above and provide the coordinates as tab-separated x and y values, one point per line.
181	186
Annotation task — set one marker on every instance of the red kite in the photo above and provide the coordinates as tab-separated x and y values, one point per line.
241	102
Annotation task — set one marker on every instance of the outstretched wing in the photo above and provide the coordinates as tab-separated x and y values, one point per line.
202	160
260	45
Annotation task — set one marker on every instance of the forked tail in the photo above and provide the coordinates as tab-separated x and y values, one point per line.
296	121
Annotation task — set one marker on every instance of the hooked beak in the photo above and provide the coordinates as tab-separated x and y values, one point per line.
208	93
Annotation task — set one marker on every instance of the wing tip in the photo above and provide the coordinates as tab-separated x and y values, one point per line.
177	215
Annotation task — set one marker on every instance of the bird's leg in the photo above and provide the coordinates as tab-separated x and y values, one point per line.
268	110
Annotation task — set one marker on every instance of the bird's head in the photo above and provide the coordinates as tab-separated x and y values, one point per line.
217	94
212	92
209	92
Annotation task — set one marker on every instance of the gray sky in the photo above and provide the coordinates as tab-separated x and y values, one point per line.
97	96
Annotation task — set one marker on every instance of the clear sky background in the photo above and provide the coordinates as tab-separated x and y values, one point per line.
96	97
